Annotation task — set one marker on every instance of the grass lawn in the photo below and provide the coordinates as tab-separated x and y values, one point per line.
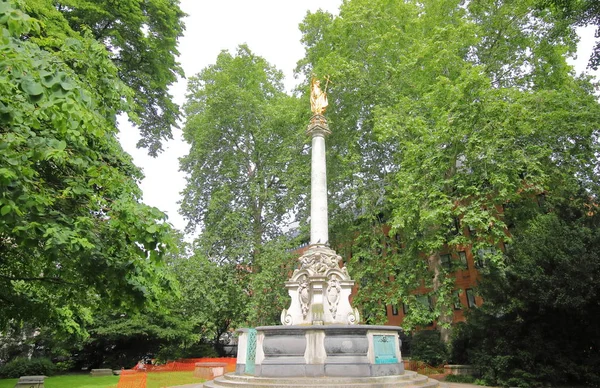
70	381
166	379
153	380
8	383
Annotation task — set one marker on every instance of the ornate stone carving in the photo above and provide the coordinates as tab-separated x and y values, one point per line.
286	319
304	295
353	317
318	259
334	291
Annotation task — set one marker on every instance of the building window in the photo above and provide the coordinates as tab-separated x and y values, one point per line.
462	255
470	298
398	240
394	309
541	200
472	231
446	261
482	255
426	301
404	308
456	298
456	226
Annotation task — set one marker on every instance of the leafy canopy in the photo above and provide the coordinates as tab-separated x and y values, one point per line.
141	39
443	114
74	234
245	164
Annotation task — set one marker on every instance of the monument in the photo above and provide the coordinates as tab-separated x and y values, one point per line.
320	342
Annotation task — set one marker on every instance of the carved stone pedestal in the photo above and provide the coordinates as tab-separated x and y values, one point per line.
320	290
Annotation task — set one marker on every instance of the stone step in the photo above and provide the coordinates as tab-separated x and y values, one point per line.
407	376
407	380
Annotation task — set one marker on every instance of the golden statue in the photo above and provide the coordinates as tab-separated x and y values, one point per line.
318	97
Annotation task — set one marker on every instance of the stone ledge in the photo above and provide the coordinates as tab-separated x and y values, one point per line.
101	372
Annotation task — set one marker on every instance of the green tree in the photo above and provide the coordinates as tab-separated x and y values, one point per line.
141	38
245	159
214	296
266	284
537	325
74	234
577	13
453	130
119	340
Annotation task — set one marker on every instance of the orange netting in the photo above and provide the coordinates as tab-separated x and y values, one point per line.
172	373
132	379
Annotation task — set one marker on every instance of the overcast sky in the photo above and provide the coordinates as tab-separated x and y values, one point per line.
270	28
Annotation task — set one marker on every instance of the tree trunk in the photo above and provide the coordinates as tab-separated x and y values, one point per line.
445	318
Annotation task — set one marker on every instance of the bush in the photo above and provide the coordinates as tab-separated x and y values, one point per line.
28	367
65	366
176	352
467	379
427	346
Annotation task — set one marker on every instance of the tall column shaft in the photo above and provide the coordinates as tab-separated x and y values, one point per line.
319	233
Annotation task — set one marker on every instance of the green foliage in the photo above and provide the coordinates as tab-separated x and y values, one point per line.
578	13
443	114
465	379
247	180
176	352
244	161
121	340
141	37
427	346
28	367
73	233
65	366
272	269
537	325
214	297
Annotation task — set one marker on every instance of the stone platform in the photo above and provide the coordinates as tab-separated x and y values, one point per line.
406	380
321	356
319	351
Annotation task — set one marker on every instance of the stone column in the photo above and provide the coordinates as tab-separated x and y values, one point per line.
319	289
319	233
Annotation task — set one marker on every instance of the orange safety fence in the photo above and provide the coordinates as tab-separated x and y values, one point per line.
139	378
132	379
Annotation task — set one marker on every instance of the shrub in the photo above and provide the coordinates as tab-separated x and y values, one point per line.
468	379
427	346
65	366
27	367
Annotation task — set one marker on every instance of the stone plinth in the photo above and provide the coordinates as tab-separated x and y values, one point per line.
101	372
321	351
209	370
30	382
461	370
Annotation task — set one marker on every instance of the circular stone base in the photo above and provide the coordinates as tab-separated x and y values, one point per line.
327	351
406	380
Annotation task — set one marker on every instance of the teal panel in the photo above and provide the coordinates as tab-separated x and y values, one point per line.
251	352
384	347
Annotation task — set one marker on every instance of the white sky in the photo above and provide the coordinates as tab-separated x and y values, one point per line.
270	28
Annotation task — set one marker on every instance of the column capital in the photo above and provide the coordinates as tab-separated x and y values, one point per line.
318	126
